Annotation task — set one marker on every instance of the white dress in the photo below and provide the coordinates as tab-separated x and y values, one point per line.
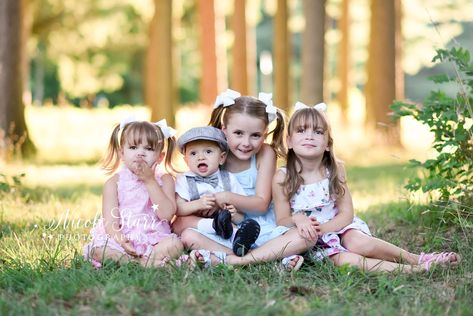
315	201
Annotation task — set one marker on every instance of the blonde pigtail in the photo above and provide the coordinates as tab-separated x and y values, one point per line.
112	159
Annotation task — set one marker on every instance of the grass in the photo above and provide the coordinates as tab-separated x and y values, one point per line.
42	272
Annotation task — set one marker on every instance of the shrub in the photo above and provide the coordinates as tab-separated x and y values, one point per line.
449	118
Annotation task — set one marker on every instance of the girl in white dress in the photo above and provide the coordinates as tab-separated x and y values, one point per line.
312	194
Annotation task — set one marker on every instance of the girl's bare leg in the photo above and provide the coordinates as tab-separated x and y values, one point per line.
371	247
291	243
167	248
183	222
372	265
102	253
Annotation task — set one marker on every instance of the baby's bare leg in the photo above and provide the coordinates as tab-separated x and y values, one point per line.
183	222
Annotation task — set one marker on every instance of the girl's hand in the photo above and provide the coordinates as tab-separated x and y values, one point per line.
129	249
221	198
143	171
316	225
305	227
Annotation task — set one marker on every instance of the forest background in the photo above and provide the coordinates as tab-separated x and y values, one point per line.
174	57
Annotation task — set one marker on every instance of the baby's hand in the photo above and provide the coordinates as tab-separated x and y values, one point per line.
207	201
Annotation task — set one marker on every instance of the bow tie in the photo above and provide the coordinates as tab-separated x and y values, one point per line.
212	180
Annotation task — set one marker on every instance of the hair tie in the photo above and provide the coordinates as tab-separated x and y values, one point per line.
168	131
226	98
267	98
321	107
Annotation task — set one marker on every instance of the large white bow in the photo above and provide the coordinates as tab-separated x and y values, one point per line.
168	131
267	98
322	107
226	98
127	120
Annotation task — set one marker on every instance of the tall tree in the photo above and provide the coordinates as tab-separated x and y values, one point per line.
240	59
209	82
12	120
381	84
281	56
344	58
159	86
313	49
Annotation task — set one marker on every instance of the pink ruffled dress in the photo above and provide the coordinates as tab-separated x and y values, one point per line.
138	221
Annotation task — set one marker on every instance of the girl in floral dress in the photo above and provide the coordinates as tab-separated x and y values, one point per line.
311	193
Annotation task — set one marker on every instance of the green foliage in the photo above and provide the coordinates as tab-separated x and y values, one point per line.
10	184
449	175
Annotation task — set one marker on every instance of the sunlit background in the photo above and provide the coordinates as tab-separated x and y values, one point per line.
87	64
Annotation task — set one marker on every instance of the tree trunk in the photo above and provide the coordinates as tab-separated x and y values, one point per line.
159	86
209	83
344	59
240	59
313	49
381	84
12	120
281	56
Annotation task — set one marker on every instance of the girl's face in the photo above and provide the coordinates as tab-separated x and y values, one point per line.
132	154
245	135
308	141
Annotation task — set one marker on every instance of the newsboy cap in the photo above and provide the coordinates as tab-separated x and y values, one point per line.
202	133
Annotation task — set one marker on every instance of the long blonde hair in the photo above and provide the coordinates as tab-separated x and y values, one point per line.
311	118
256	108
134	132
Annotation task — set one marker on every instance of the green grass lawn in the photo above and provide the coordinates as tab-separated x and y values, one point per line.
42	271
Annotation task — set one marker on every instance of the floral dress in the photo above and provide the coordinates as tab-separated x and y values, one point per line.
315	201
138	221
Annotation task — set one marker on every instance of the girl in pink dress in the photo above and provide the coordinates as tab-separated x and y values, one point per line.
311	193
138	201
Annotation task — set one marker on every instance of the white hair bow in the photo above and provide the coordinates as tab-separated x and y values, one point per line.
226	98
322	107
127	120
168	131
267	98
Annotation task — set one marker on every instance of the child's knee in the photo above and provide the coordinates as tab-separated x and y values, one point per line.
188	237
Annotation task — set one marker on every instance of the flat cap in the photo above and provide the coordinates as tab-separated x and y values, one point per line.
202	133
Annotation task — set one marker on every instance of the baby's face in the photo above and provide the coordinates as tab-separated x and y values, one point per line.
203	157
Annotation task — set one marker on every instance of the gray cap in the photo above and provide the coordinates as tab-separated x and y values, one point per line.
203	133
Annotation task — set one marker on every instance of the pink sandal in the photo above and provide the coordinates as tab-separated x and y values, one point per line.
427	259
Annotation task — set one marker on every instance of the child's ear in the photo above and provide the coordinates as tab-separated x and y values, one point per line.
223	156
224	129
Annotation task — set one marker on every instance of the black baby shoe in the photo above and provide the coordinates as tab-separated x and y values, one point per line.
245	237
223	224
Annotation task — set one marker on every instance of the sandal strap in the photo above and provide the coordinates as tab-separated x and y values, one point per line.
222	256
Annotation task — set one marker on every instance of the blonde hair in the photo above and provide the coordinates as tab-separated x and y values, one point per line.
133	133
256	108
311	118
